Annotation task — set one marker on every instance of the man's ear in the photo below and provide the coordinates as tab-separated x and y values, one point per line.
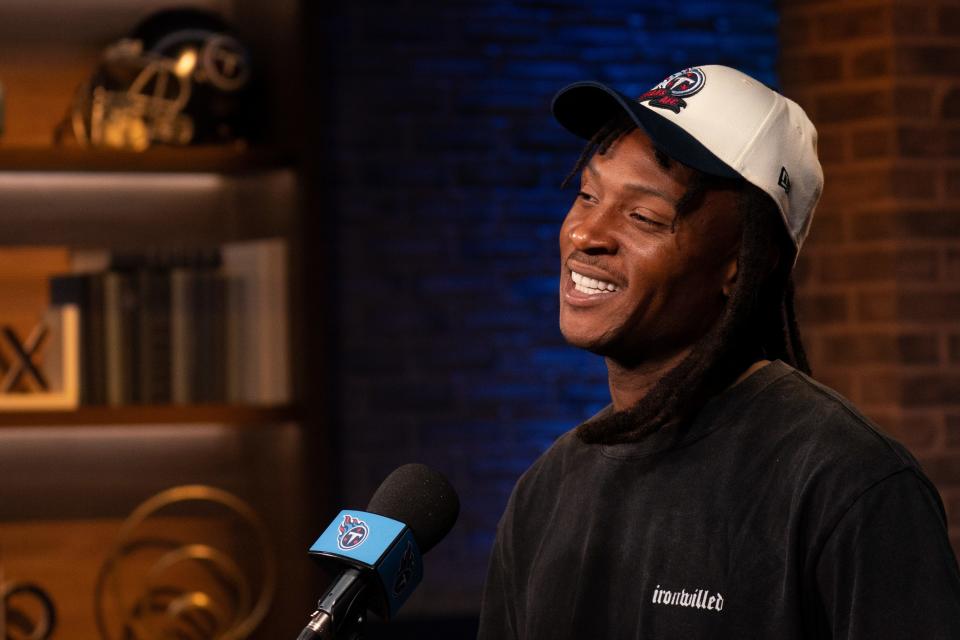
730	271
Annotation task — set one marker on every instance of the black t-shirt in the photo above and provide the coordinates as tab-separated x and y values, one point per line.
780	512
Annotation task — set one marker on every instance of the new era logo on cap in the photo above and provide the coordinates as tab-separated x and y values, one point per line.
784	180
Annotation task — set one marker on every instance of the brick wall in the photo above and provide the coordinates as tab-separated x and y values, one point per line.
448	208
879	283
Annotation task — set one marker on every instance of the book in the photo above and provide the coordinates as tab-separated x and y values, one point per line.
208	371
154	329
182	334
258	322
183	327
114	343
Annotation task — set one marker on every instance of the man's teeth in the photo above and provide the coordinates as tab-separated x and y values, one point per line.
591	286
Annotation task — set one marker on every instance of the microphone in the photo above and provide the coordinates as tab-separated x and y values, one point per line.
382	547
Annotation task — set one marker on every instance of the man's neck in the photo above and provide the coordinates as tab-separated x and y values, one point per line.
629	384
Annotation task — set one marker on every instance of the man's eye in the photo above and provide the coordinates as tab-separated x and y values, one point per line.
637	215
583	195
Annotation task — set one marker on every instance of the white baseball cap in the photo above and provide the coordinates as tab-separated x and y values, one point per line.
721	122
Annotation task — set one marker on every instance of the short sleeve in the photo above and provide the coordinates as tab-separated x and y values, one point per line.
887	570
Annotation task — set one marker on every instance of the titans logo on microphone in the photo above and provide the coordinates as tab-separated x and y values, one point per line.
353	531
405	572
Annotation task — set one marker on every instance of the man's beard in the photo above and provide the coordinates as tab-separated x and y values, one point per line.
712	365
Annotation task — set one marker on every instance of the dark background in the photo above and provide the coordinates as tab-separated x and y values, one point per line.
438	187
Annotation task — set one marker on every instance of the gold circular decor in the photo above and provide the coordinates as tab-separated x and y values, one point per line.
192	563
28	612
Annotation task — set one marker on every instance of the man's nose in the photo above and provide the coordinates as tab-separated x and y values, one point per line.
593	233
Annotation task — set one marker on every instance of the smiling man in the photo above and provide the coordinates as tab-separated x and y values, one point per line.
723	493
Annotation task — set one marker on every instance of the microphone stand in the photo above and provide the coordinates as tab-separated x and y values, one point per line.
336	617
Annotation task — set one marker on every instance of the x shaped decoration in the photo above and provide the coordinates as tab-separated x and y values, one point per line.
24	352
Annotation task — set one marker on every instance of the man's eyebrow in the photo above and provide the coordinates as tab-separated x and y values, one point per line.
642	188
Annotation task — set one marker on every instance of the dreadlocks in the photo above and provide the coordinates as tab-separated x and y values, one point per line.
758	320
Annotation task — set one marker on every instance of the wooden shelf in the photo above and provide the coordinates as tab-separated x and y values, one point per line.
210	159
233	415
98	209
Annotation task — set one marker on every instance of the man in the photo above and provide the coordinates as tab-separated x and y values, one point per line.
723	493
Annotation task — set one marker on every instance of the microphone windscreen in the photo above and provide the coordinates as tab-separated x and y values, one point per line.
420	498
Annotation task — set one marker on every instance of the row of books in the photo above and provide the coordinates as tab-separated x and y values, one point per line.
182	327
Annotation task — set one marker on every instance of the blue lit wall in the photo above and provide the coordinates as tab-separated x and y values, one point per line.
448	209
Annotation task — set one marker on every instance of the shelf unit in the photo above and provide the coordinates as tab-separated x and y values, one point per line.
83	470
168	199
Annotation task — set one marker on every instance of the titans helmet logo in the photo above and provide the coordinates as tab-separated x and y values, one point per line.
670	93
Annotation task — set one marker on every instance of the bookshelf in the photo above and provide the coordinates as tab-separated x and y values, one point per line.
76	474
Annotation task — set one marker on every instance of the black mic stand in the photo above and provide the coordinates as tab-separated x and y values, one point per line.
337	616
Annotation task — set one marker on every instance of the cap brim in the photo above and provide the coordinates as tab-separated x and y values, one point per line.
583	108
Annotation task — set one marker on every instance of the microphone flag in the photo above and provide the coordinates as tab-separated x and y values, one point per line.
369	541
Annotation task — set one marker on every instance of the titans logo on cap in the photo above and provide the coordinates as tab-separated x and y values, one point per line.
670	93
353	531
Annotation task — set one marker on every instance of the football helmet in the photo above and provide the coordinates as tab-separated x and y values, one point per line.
180	78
